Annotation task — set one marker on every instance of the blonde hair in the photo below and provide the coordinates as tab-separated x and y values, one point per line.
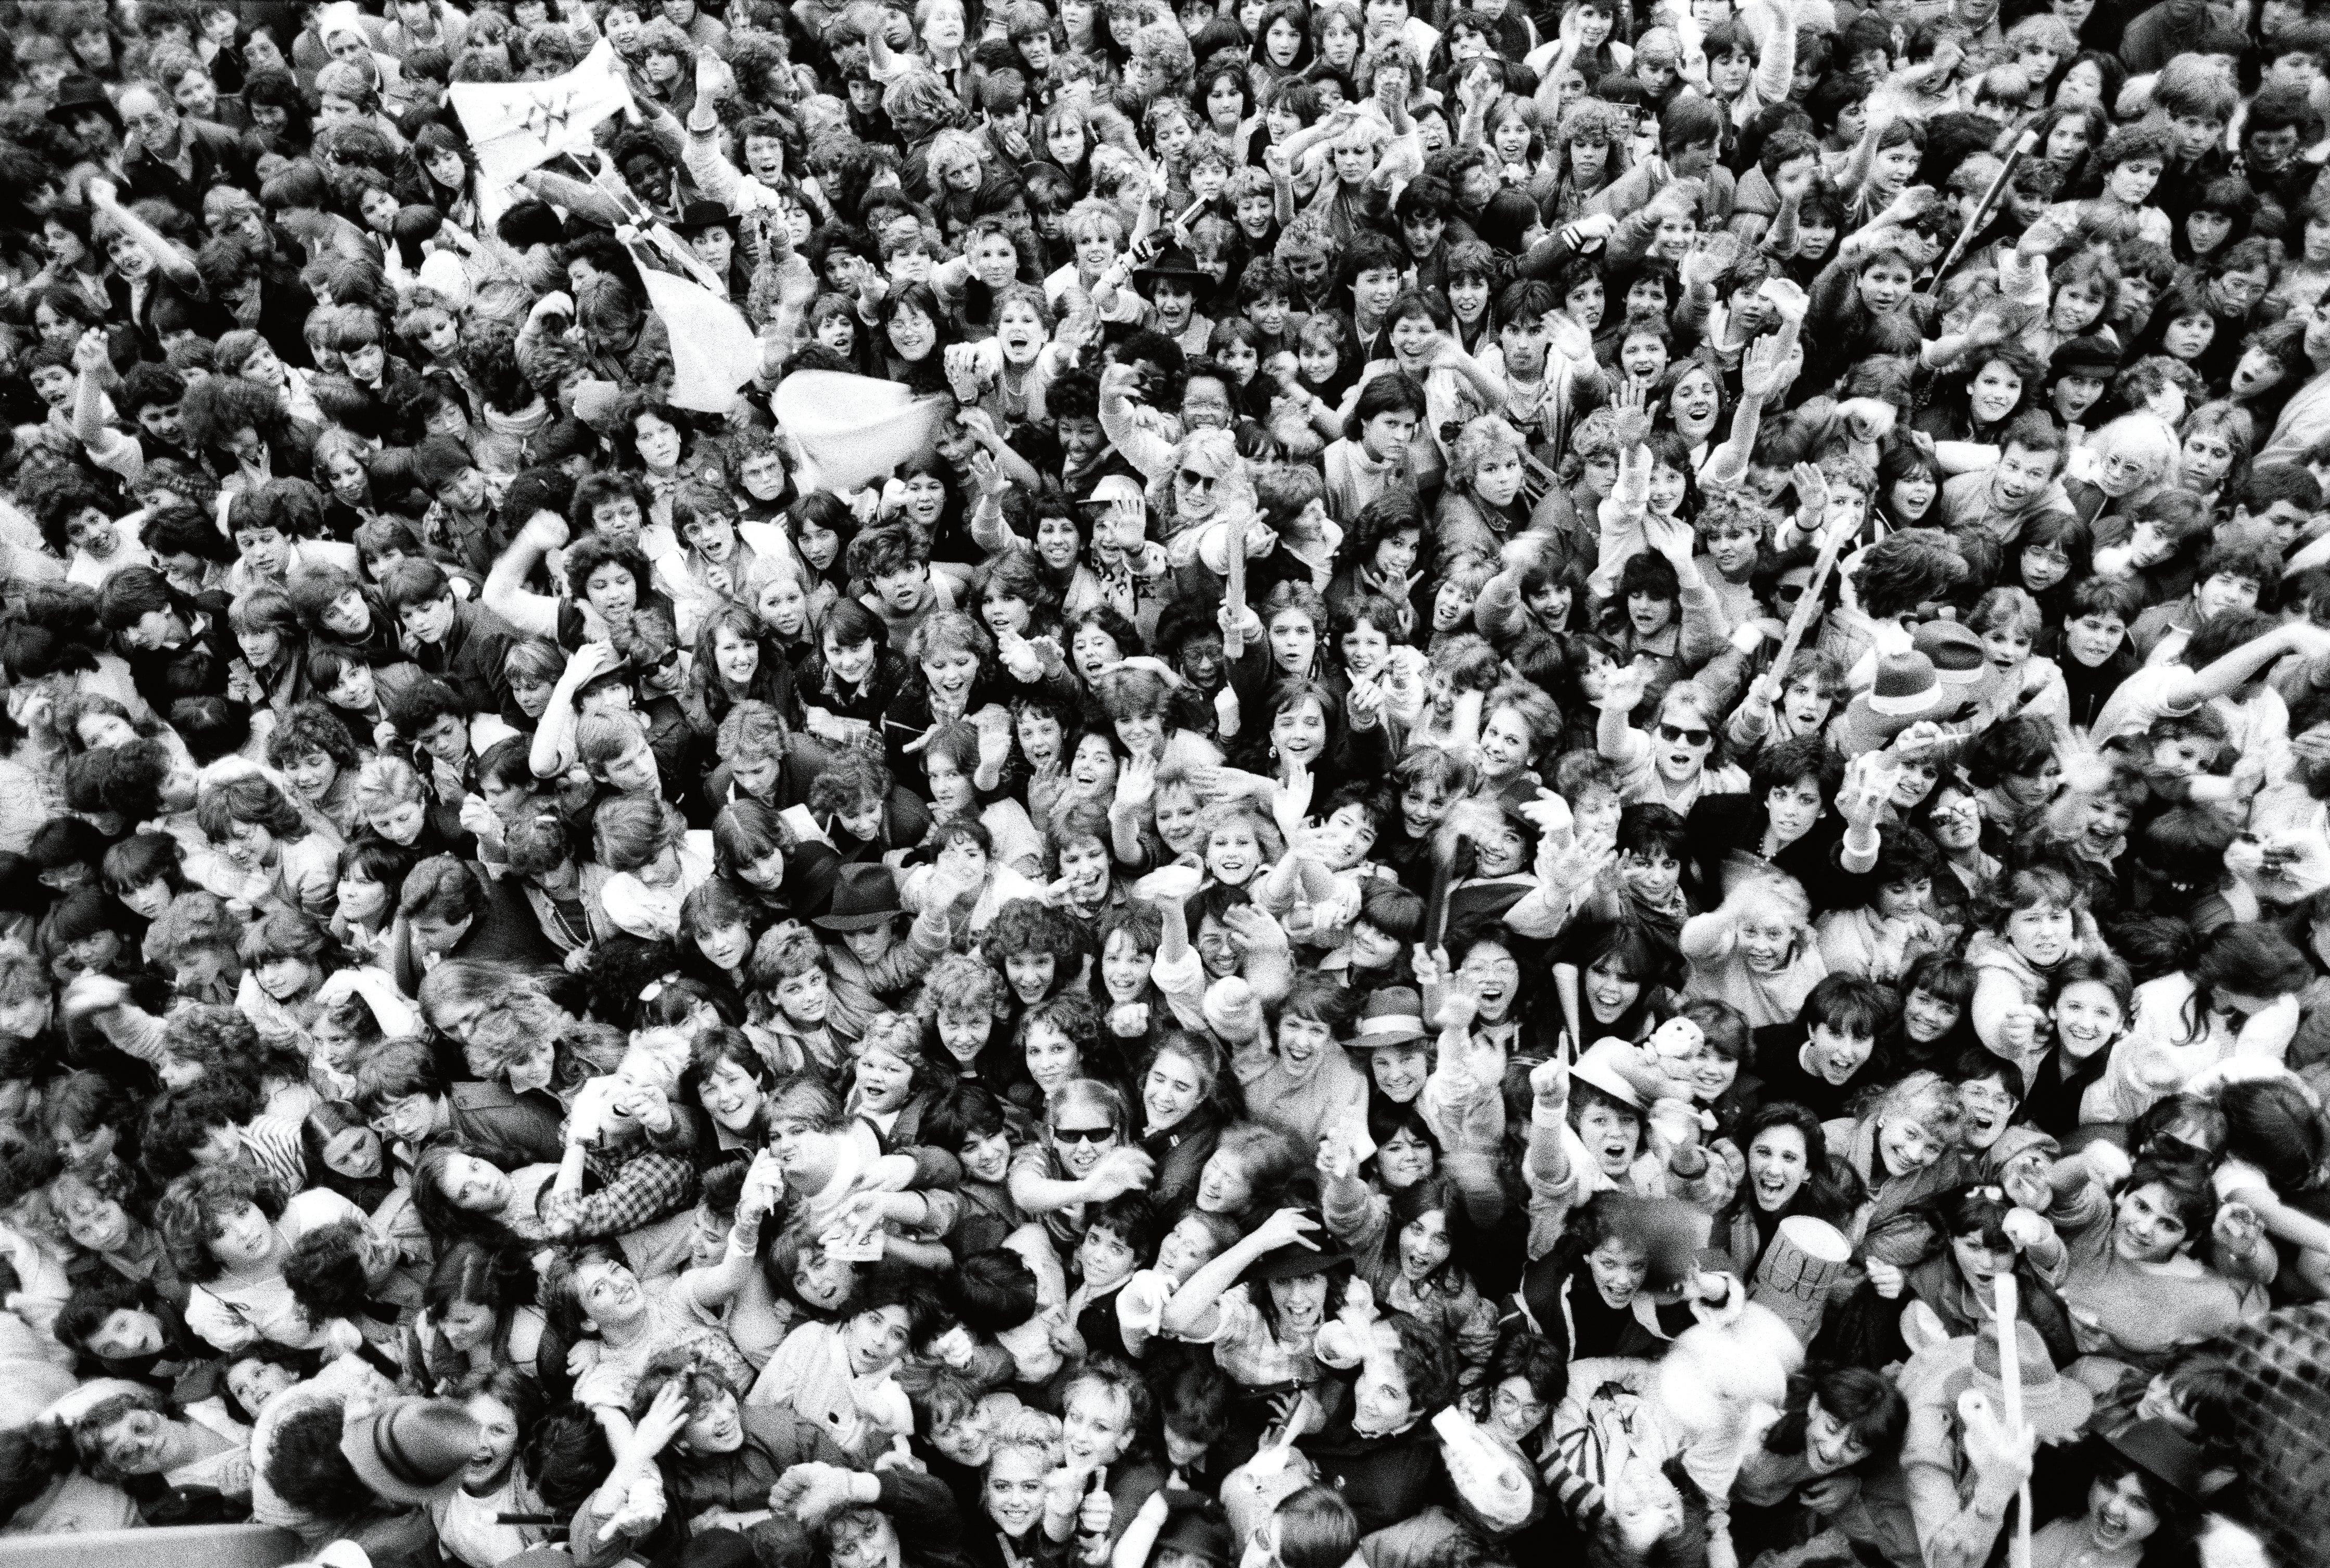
2006	609
1491	436
1773	893
899	1034
1702	700
384	782
960	982
1032	1434
1092	217
1928	1098
952	150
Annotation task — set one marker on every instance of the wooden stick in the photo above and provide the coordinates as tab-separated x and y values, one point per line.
1234	593
2010	1375
2024	146
1801	621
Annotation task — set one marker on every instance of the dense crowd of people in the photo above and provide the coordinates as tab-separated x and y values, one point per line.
1415	785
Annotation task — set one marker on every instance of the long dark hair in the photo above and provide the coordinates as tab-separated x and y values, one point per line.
2095	1461
2250	959
1437	1193
446	1224
1825	1193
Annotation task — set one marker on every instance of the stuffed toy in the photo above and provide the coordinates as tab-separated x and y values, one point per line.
1688	1413
1647	1517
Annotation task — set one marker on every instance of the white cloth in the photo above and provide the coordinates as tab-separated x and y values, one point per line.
852	429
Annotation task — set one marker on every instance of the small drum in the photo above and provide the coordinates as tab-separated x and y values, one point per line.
1805	1258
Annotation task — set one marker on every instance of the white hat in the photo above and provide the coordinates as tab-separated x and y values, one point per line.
442	271
1600	1067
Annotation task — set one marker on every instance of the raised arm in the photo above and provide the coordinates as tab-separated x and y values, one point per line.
1776	62
1194	1310
1622	693
552	752
170	258
505	593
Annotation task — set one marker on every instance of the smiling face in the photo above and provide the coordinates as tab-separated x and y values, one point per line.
1223	1185
1013	1494
1053	1058
2147	1226
1609	990
1171	1089
1776	1168
1618	1266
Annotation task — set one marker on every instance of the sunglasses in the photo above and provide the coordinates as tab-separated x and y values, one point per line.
1788	592
1195	480
1083	1135
1676	732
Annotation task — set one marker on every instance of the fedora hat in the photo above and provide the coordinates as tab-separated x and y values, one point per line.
1392	1016
1613	1066
699	215
2059	1406
1956	653
1172	261
1296	1262
408	1448
76	93
2157	1448
1908	688
865	896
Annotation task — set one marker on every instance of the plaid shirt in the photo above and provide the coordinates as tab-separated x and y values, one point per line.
643	1190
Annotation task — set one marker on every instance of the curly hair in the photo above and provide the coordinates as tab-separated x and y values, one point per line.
191	1210
1029	926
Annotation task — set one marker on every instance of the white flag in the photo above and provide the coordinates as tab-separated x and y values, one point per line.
516	125
714	351
850	430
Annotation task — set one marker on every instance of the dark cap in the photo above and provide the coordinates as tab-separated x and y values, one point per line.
2092	357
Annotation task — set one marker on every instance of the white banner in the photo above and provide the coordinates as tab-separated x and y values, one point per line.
851	430
714	351
515	126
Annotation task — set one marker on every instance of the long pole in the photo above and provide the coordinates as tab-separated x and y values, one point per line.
1808	605
2010	1374
2024	146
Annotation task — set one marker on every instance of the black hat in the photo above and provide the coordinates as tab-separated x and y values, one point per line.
76	93
2096	358
699	215
2162	1452
865	896
1296	1262
1173	261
